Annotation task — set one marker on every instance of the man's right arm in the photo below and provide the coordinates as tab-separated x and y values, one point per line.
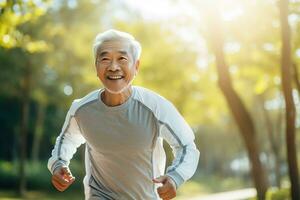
66	145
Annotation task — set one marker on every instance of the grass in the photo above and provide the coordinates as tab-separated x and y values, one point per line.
42	195
191	189
39	184
202	186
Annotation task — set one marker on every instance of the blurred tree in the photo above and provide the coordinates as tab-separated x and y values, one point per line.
25	99
239	111
273	137
286	66
294	72
168	66
12	15
67	63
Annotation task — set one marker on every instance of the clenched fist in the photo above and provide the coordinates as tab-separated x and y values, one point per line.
62	178
168	189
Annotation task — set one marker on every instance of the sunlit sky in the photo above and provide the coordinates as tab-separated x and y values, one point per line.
174	14
165	10
169	11
179	11
162	9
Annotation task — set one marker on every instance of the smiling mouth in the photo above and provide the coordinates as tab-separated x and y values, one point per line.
114	77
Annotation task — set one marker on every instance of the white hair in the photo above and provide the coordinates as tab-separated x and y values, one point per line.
113	35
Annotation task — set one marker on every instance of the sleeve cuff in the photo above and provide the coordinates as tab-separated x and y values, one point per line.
176	178
58	164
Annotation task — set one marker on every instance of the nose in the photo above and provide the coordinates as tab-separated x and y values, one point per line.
114	66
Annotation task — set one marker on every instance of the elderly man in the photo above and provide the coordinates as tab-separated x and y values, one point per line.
123	127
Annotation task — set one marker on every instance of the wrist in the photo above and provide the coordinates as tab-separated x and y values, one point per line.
176	178
58	165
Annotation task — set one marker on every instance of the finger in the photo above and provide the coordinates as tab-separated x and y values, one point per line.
169	195
164	196
163	189
64	181
61	189
167	191
68	177
58	186
156	181
71	180
160	179
67	173
61	180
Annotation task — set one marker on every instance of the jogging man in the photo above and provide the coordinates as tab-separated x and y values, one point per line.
123	127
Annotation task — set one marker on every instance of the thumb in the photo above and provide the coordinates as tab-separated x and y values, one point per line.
72	179
160	179
66	173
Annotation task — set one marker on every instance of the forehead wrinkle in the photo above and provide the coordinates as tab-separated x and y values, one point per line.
123	53
121	46
104	53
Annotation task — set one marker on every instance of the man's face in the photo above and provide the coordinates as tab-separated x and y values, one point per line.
115	65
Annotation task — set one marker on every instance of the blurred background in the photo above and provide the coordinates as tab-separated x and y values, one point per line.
229	66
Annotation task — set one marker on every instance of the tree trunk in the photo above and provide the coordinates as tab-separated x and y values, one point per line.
39	129
296	77
24	128
279	133
239	111
274	142
289	102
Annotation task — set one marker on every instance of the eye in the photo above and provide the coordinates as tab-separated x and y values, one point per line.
123	58
104	59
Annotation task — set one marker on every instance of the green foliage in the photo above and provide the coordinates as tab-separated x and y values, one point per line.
192	188
37	174
15	13
278	194
44	195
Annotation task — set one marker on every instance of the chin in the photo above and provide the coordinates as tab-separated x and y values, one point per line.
116	91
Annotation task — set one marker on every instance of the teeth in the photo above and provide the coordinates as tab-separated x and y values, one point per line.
115	77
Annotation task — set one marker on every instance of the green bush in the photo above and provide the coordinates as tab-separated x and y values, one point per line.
278	194
37	175
8	174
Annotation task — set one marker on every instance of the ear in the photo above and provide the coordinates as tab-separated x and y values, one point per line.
96	69
137	66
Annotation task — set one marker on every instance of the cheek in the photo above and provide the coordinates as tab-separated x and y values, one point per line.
99	72
130	75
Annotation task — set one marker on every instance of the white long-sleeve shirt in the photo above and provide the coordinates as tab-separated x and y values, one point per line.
124	145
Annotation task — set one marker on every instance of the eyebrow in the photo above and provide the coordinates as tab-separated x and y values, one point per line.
104	53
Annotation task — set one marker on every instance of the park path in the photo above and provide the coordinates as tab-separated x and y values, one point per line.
243	194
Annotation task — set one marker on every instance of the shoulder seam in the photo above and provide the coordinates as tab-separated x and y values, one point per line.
84	104
81	102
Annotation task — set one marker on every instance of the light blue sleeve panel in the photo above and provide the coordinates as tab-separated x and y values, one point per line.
178	134
70	137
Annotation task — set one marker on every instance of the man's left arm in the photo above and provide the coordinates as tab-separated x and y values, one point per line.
179	135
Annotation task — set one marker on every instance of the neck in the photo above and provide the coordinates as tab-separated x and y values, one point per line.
111	99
